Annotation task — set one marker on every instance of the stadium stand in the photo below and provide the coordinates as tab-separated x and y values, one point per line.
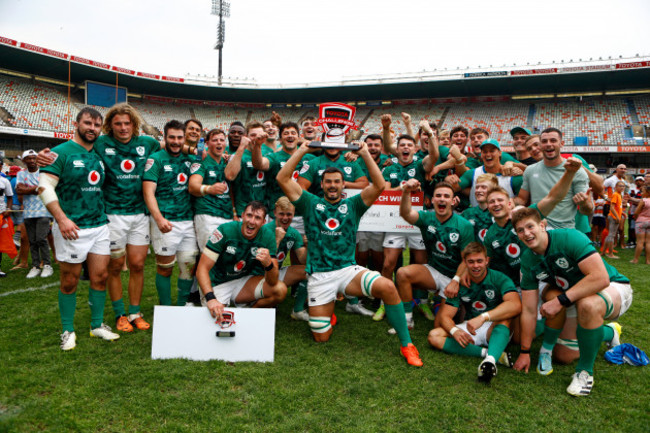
497	117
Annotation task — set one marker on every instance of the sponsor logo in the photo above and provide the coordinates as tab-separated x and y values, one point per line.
78	163
320	207
74	256
472	222
479	306
249	164
513	250
541	276
94	177
465	298
181	178
411	172
109	151
454	237
148	164
195	167
489	294
332	223
127	166
281	257
304	168
260	176
441	247
54	156
393	176
239	266
562	283
216	236
295	175
481	234
167	167
431	229
320	172
495	244
140	150
231	250
343	208
562	263
212	173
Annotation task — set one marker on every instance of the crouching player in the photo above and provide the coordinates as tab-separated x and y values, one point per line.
587	289
491	301
238	264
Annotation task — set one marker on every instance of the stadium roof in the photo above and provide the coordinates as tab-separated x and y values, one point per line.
38	61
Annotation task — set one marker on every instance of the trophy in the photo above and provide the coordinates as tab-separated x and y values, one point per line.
336	119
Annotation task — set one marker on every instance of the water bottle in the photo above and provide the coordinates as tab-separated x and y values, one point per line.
199	150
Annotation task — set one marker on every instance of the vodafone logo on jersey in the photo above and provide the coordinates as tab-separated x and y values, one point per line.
127	166
281	257
332	223
294	176
513	250
481	234
260	176
239	266
562	283
441	247
181	178
479	306
94	177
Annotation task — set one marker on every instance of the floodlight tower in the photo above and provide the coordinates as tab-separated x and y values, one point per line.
222	10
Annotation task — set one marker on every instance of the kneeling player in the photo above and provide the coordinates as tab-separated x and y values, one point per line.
490	302
238	264
567	259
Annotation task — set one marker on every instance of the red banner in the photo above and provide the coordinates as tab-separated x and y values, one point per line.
534	71
123	70
64	135
89	62
632	65
633	149
174	79
146	75
42	50
8	41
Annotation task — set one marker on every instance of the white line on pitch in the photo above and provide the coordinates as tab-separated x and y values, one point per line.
30	289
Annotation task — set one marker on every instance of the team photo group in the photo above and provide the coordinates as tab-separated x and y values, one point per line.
502	253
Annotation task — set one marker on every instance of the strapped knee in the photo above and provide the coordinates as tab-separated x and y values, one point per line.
116	254
367	280
167	265
320	324
259	290
186	261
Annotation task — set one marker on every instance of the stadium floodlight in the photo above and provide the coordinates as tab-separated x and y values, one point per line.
222	10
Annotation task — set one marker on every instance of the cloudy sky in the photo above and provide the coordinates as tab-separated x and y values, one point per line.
289	41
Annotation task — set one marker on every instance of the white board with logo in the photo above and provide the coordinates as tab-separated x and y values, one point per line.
383	215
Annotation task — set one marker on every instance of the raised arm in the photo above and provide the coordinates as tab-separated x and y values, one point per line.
234	164
561	188
389	147
259	161
292	189
377	182
406	210
406	118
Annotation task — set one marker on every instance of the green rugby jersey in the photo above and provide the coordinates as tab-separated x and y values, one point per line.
444	241
484	296
236	253
124	164
81	176
313	171
331	229
292	241
476	162
212	172
171	175
362	164
276	162
559	264
249	185
504	250
398	174
480	219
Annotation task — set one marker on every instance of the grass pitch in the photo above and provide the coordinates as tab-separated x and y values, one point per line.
357	382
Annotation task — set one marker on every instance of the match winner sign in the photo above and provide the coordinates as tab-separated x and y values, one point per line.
383	215
190	333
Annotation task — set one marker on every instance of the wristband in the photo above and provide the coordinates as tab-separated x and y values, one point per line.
453	330
210	296
486	316
564	300
269	267
204	189
524	351
456	278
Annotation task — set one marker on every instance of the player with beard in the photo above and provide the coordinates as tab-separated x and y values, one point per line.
238	265
289	240
248	183
165	190
212	202
445	235
71	189
124	153
491	302
586	290
331	223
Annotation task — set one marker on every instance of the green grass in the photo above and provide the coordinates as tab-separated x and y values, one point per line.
356	382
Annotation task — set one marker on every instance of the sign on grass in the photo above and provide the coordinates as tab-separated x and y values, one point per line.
383	215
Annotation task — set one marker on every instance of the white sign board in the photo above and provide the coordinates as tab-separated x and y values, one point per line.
190	333
383	215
